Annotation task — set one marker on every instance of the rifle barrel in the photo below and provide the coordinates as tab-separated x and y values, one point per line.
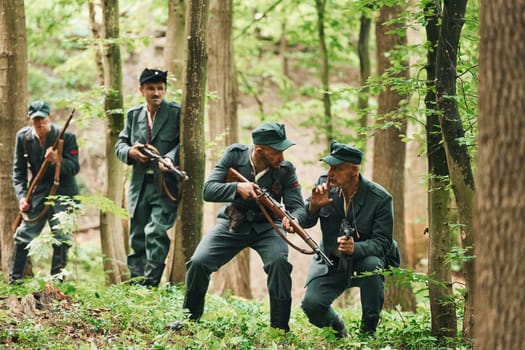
181	174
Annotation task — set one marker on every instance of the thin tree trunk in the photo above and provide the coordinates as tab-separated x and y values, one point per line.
175	42
363	52
192	125
95	31
13	112
443	311
324	71
112	237
174	63
458	158
389	149
500	208
234	276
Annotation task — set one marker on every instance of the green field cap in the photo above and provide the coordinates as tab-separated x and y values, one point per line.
340	153
273	135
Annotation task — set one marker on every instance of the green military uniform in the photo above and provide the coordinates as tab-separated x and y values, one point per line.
28	158
151	209
241	224
371	214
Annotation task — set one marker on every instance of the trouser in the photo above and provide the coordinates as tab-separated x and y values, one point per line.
323	290
148	237
27	231
219	246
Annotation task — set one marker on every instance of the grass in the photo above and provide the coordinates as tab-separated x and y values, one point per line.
87	314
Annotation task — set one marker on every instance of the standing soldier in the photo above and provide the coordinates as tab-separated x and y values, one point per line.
152	196
36	146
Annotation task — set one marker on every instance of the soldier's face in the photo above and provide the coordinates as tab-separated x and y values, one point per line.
272	157
42	126
153	92
343	174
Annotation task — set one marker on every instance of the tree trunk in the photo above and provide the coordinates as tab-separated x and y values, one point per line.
389	149
96	32
443	312
324	73
192	127
175	42
112	236
174	63
363	51
222	82
458	158
500	209
13	112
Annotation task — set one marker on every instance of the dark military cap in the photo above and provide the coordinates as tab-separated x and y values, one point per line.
340	153
153	76
38	109
273	135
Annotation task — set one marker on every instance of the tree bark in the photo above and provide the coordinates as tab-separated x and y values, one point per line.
389	149
443	312
324	71
174	63
112	236
500	209
13	112
175	42
458	158
192	127
223	131
363	51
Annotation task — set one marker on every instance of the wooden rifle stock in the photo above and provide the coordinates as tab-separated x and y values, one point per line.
277	209
41	171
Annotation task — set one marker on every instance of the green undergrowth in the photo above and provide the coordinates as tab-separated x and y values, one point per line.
84	313
132	317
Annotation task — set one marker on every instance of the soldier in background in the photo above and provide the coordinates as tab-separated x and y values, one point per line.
34	145
153	190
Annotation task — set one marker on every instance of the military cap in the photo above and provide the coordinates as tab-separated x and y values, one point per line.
340	153
153	76
38	109
273	135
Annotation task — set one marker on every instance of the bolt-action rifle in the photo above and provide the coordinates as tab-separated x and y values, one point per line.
41	171
151	152
265	200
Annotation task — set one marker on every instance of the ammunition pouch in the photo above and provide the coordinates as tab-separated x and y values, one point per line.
238	216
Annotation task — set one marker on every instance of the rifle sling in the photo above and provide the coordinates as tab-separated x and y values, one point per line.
56	183
278	230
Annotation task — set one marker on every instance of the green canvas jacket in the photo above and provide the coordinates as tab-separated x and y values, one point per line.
28	144
165	137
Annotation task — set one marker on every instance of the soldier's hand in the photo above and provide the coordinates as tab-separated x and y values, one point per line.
165	168
23	205
51	155
247	190
135	153
287	226
345	245
319	197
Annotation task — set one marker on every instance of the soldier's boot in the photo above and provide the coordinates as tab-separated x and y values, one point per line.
59	260
280	313
369	324
153	273
18	263
339	327
195	304
136	274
